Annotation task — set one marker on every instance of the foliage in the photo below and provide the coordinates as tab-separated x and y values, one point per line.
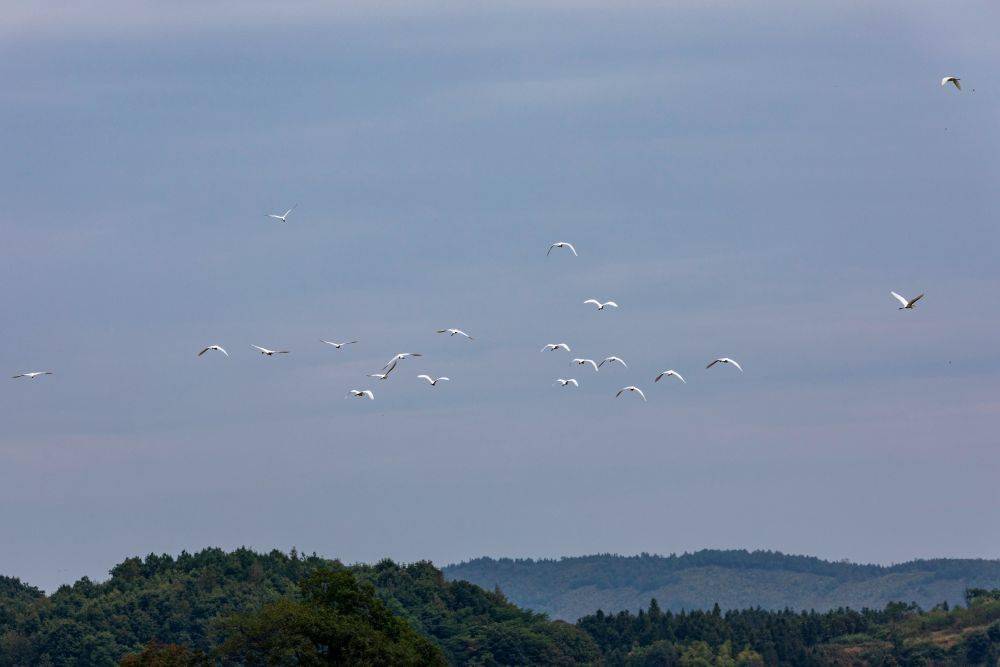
899	634
157	606
337	621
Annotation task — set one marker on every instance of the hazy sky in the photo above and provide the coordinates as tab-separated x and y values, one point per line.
747	182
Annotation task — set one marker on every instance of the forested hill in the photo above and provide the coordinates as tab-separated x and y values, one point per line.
243	607
570	588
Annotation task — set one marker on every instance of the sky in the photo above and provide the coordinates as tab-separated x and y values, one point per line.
744	181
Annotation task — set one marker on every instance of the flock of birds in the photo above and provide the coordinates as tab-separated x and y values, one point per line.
391	365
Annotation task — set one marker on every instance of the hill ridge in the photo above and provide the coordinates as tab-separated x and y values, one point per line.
573	586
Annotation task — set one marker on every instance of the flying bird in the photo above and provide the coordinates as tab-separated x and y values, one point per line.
613	360
725	360
552	347
217	348
907	304
433	381
400	356
381	376
954	80
32	375
601	306
563	383
361	393
633	389
268	353
452	332
337	345
561	244
582	362
284	216
669	373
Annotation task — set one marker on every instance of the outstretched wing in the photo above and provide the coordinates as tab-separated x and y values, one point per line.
713	363
570	246
915	299
611	303
901	299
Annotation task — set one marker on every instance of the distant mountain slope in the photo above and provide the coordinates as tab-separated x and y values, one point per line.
570	588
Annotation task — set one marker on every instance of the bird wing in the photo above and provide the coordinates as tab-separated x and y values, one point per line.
658	377
592	363
425	377
639	391
369	393
204	351
550	249
735	363
713	363
570	246
276	217
282	352
915	299
958	84
14	377
444	378
611	303
899	298
620	392
679	377
222	350
262	349
564	346
593	301
573	380
329	342
442	331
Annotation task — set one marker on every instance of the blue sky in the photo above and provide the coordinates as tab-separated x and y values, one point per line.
743	181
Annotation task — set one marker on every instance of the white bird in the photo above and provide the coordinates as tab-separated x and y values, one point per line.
268	353
563	383
361	393
907	303
398	357
433	381
633	389
552	347
452	332
612	360
561	244
669	373
380	376
601	306
284	216
337	345
217	348
952	80
32	375
725	360
582	362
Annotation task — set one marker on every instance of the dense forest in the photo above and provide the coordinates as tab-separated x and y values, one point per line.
222	604
570	588
242	607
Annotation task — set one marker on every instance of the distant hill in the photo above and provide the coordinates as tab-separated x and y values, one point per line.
570	588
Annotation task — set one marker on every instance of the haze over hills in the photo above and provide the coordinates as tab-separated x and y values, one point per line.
569	588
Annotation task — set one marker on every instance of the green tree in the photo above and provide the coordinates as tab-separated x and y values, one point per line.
337	622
